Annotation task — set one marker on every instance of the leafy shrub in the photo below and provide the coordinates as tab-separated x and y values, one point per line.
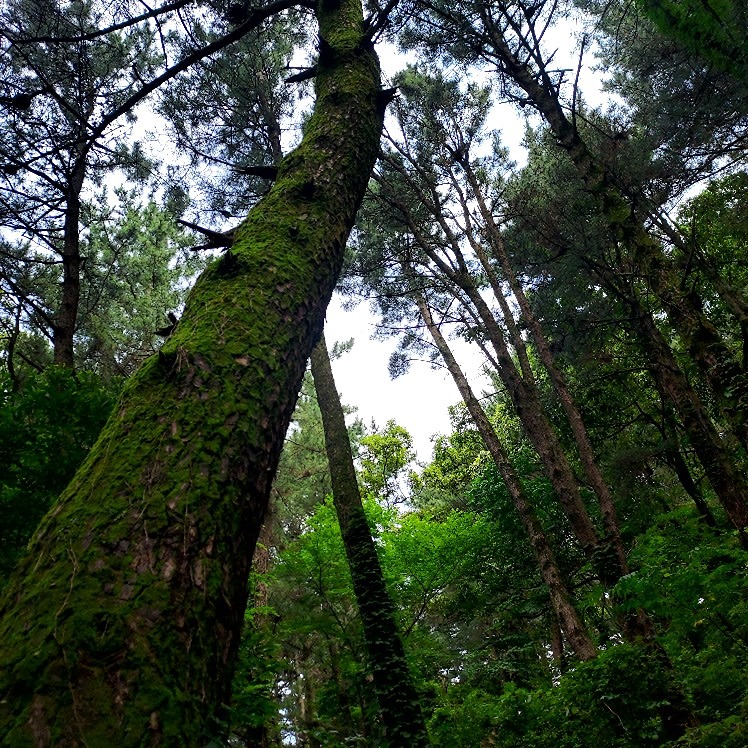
46	430
614	701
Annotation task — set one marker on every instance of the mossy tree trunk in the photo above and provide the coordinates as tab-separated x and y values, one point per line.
121	625
398	700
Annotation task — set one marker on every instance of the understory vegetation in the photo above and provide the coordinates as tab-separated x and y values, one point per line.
560	191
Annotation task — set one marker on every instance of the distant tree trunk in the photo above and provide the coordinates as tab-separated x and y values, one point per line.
674	457
308	721
722	371
528	405
121	625
561	602
573	415
557	645
344	698
398	700
525	398
66	319
729	484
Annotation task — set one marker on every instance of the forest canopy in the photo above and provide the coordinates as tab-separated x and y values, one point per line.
201	545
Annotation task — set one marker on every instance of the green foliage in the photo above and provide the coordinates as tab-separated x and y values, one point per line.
385	456
717	221
612	701
714	29
694	581
318	631
258	665
138	269
46	429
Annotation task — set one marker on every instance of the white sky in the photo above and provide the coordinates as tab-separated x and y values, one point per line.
418	401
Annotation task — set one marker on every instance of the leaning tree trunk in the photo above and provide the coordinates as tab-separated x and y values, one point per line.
398	700
121	625
726	378
561	600
573	415
525	399
722	370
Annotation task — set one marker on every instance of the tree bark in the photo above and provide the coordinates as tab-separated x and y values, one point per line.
715	451
121	625
674	457
563	606
722	371
398	700
66	319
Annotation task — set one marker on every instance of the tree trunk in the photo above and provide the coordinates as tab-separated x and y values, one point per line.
674	457
527	404
65	321
722	371
573	415
344	698
398	700
121	625
562	604
256	736
729	485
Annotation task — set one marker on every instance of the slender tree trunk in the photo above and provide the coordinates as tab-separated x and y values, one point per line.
308	721
121	625
674	457
573	415
526	400
725	376
729	485
527	404
715	452
344	699
606	557
398	700
561	602
557	645
66	319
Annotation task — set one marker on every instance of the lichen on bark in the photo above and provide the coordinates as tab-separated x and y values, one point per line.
121	624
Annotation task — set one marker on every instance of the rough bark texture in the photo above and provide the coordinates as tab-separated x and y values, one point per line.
398	700
121	625
563	606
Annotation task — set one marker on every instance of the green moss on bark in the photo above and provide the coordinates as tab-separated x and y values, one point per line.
121	624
